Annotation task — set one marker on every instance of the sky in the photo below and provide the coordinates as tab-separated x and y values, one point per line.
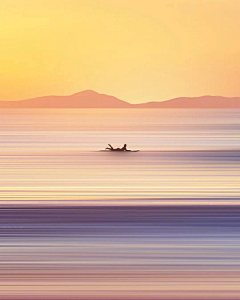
136	50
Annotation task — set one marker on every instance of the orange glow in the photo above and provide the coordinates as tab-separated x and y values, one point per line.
138	51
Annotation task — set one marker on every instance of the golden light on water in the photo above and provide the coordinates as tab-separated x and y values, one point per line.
77	223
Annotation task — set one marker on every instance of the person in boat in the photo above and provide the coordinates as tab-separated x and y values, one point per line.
124	148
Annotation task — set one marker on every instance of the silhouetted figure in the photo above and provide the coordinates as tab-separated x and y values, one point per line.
111	147
124	148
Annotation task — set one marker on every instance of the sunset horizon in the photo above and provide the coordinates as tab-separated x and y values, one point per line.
131	102
120	149
93	99
138	51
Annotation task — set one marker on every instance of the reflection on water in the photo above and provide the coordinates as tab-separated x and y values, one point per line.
58	130
77	223
164	252
122	178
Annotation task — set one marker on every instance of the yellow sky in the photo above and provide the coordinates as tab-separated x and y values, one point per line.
136	50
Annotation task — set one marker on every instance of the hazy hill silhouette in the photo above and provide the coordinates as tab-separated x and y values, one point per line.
195	102
85	99
91	99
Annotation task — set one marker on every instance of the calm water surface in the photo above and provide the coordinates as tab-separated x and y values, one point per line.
77	223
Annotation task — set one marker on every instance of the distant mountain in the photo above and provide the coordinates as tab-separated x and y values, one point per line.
195	102
85	99
91	99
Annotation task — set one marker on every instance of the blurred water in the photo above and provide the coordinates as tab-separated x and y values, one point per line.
162	223
74	130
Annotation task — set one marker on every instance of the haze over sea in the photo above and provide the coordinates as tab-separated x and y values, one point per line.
78	223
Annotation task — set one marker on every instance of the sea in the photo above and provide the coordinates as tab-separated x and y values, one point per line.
78	223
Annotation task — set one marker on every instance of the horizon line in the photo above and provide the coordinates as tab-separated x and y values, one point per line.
89	90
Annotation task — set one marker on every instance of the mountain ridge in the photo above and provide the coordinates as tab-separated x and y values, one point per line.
92	99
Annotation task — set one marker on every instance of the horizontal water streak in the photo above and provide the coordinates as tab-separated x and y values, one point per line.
80	224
